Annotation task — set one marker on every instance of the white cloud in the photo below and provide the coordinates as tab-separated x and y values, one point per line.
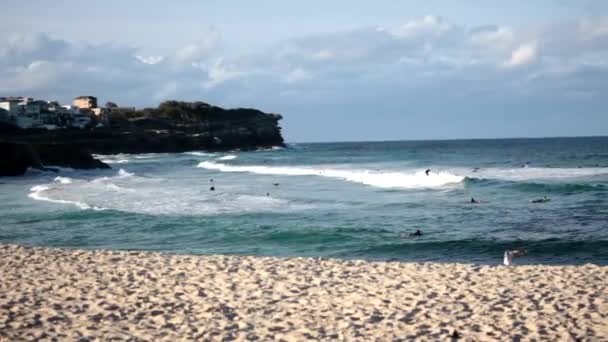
323	55
196	52
36	75
429	25
523	55
499	38
297	75
150	59
221	72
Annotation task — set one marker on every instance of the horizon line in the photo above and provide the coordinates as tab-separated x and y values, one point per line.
446	139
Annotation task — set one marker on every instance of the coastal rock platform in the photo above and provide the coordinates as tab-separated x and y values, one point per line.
120	295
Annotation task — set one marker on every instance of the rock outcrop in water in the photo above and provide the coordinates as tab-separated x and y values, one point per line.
16	158
172	127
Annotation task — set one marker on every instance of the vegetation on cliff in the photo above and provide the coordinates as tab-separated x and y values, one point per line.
179	114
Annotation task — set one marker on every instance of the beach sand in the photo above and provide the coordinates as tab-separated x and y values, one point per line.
77	294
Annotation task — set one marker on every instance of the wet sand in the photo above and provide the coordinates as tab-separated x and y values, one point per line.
76	294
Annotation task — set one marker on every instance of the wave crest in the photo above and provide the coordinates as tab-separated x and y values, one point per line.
415	179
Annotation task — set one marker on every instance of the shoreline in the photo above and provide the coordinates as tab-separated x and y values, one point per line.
74	294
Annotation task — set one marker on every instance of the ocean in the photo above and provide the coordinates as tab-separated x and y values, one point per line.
340	200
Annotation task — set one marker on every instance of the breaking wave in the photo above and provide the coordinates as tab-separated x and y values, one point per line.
38	193
199	154
412	180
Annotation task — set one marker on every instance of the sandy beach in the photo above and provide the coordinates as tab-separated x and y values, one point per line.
86	295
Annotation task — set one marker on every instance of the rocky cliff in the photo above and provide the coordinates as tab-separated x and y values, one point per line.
16	158
172	127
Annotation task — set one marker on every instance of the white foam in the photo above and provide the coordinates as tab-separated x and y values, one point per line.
228	157
146	156
156	196
382	179
124	173
38	191
63	180
537	173
199	154
273	148
115	161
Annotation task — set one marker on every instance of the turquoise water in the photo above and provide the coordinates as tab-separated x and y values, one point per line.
343	200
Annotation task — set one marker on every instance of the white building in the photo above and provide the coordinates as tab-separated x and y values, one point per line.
26	112
11	105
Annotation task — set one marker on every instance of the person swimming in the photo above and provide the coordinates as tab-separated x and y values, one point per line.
545	199
212	188
473	200
427	171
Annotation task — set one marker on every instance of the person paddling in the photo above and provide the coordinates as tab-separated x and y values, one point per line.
416	233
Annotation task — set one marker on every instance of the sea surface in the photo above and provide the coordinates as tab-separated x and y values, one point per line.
339	200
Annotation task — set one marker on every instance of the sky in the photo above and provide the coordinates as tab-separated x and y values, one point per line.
336	70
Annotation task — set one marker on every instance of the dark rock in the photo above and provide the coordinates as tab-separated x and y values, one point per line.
68	155
17	157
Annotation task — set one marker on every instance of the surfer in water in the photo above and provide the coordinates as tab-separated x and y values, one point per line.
427	171
473	200
545	199
416	233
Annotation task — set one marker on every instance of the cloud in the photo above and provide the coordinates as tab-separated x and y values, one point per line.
323	55
428	26
38	74
297	75
198	51
220	72
420	60
523	55
150	59
493	37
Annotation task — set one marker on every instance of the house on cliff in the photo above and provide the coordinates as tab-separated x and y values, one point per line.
23	111
85	102
88	104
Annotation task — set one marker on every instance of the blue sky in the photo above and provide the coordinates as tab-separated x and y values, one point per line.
336	70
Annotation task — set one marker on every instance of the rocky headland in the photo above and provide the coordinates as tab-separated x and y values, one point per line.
171	127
